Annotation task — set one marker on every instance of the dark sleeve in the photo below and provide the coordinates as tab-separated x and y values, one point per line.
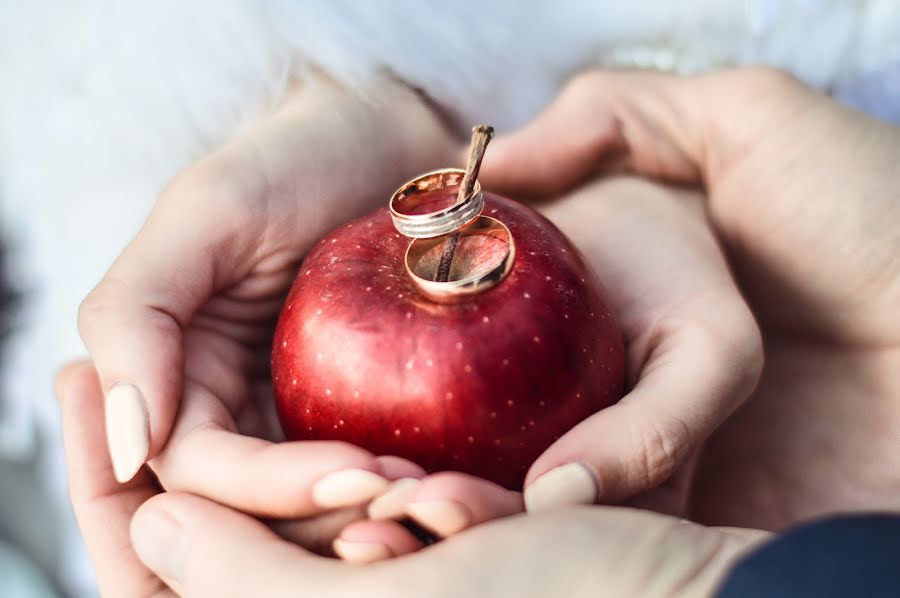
845	556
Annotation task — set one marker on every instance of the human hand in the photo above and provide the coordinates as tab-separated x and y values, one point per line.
190	546
180	327
803	193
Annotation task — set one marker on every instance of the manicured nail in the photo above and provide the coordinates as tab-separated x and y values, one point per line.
127	430
347	488
392	504
361	552
442	517
160	543
571	484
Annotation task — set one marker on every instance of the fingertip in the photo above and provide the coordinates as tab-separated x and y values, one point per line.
370	541
73	373
395	468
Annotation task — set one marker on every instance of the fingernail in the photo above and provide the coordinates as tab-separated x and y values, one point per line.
159	543
442	517
127	430
361	552
392	504
570	484
347	488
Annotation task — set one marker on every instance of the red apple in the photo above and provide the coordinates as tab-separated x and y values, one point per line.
482	386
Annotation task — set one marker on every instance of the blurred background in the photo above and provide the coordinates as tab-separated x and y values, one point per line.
103	102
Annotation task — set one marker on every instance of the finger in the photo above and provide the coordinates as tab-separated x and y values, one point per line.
449	502
561	147
689	388
371	541
204	549
102	506
207	457
694	350
132	321
319	532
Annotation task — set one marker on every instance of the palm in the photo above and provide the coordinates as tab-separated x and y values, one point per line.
821	431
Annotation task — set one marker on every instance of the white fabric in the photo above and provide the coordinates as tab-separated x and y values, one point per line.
103	101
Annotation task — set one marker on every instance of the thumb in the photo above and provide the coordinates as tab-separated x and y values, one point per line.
132	321
203	549
680	129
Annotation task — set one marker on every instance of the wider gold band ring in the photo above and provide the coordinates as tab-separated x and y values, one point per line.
407	199
458	290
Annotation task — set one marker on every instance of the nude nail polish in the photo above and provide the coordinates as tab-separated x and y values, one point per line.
570	484
127	430
442	517
347	488
392	504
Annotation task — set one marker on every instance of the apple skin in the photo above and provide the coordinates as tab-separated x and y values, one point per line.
482	387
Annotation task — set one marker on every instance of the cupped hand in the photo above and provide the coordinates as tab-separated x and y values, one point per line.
180	327
803	193
145	543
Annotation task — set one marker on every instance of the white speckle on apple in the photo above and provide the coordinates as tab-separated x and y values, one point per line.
533	253
306	410
308	272
410	362
429	362
334	240
449	395
396	236
397	432
387	288
294	382
359	246
284	343
496	442
355	394
542	403
368	289
468	368
531	423
505	362
416	429
485	319
334	426
523	429
318	312
565	316
592	362
510	403
537	339
328	391
548	278
319	356
408	315
577	395
527	295
592	314
493	415
459	346
471	439
400	296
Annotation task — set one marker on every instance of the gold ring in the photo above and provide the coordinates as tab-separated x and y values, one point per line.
457	290
424	192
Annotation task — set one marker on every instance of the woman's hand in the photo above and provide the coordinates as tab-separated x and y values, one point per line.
190	546
180	327
804	195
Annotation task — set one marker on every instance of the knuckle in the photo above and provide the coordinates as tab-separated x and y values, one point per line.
766	80
664	445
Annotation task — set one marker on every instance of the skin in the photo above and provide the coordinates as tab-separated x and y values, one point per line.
836	312
190	546
803	194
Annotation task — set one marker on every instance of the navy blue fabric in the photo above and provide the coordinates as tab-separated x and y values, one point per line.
854	556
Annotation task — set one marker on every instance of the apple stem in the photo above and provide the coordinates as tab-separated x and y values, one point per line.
481	136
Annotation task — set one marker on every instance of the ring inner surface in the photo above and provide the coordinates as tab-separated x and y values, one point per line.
482	248
432	193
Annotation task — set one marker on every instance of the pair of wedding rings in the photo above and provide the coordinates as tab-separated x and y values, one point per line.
449	216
